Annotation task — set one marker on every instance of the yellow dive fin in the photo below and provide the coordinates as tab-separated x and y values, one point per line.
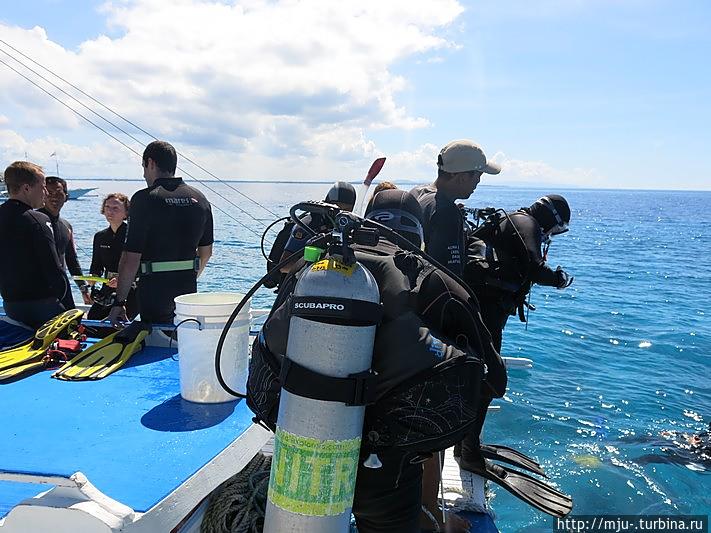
26	356
106	356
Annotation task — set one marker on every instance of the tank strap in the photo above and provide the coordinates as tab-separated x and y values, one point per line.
341	311
356	389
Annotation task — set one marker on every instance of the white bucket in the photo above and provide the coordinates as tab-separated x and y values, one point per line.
197	344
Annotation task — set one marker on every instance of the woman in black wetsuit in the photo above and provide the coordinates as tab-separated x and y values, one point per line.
108	245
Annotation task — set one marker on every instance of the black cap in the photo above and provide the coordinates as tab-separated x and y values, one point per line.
342	193
400	211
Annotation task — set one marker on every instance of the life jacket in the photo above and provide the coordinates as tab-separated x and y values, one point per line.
426	394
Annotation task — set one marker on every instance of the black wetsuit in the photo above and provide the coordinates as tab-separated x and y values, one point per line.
32	279
66	250
517	242
443	227
427	318
105	257
167	221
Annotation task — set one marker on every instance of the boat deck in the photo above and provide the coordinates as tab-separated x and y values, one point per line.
130	434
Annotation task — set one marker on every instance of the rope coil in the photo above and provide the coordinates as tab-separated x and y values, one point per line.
238	505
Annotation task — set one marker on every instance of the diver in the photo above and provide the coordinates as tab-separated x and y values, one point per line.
460	166
507	254
106	253
428	318
504	259
32	279
168	240
57	195
692	451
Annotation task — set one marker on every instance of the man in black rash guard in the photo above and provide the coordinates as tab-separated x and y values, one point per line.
32	280
105	257
57	196
460	167
517	240
168	242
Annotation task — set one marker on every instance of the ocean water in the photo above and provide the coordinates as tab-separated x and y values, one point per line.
619	357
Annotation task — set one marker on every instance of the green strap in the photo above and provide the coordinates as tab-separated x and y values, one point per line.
150	267
97	279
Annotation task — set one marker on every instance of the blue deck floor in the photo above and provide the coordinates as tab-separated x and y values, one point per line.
131	434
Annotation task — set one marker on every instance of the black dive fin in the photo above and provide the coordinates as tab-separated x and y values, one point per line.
497	452
534	492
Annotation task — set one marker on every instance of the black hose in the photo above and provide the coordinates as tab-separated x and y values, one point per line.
233	316
264	234
231	319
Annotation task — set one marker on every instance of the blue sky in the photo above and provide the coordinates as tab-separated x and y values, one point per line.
591	94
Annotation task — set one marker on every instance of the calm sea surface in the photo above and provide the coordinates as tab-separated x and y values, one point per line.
619	357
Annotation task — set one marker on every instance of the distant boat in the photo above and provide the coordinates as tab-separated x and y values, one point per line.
73	193
77	193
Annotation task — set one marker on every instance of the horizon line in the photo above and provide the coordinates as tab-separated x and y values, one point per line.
407	182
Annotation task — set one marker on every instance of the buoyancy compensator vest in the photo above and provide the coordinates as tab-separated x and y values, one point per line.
497	266
425	394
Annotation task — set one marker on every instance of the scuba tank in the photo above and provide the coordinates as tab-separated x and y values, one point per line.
325	379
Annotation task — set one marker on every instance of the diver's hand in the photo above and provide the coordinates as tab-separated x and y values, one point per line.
564	279
87	298
117	315
113	283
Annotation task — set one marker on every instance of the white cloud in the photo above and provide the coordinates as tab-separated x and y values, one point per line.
295	80
534	173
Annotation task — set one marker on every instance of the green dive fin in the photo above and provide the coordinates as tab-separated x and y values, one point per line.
28	356
504	454
106	356
534	492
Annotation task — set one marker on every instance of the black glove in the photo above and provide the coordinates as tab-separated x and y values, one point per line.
564	279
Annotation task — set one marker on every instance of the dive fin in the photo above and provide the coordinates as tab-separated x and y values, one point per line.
25	357
106	356
504	454
534	492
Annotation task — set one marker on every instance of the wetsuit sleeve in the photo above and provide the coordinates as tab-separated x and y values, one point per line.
138	224
96	268
446	239
539	272
208	235
46	249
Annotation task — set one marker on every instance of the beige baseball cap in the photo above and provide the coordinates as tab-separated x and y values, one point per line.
465	156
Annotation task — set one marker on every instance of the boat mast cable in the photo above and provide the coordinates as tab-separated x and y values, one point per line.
125	132
127	146
139	128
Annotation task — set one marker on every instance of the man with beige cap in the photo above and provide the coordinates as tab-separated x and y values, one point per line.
460	166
